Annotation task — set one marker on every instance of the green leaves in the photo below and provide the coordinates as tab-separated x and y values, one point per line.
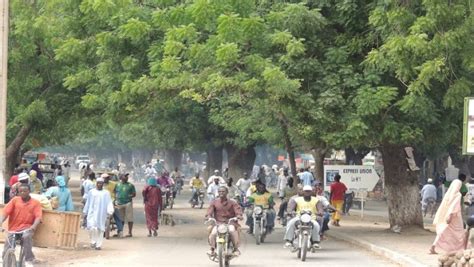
227	54
372	101
134	29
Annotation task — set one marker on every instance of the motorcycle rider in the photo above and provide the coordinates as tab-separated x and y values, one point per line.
244	183
213	189
306	202
264	199
196	184
213	177
222	209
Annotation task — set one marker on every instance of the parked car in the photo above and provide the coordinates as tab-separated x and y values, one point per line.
82	159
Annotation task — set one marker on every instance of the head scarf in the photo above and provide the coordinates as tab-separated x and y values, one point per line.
61	182
33	176
151	182
451	198
36	168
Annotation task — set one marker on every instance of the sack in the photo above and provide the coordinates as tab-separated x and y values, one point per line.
54	203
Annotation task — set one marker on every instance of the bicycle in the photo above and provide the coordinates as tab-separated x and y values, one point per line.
430	207
10	258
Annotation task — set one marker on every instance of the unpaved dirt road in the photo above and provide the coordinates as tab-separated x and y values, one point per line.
185	244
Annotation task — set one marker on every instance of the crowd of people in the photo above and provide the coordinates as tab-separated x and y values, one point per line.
106	200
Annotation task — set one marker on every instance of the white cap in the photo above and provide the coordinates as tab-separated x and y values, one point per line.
104	175
100	180
216	171
430	180
23	176
307	188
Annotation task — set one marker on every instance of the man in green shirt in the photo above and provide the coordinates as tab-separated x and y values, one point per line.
124	193
461	177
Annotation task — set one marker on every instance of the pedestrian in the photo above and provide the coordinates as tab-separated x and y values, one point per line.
428	194
124	196
450	233
306	177
87	186
36	186
24	214
337	190
23	178
36	168
282	182
111	186
153	203
96	211
14	178
62	193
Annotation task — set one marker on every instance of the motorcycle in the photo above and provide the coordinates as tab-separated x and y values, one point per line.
224	250
198	199
167	197
302	240
259	224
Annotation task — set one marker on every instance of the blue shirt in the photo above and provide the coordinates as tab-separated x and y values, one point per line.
64	197
307	178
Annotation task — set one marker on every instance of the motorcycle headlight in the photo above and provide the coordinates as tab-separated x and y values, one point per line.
257	210
222	229
305	218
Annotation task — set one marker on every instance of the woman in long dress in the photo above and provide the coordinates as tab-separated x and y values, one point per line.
450	232
152	199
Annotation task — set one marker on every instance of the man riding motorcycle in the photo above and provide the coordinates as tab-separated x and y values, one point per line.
264	199
306	202
196	184
222	209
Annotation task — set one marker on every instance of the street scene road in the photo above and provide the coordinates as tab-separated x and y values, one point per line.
185	244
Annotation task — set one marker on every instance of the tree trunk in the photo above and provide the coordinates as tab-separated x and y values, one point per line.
14	148
214	160
240	160
355	157
173	159
401	186
319	154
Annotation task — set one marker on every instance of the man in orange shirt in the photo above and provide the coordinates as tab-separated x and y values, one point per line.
338	191
24	214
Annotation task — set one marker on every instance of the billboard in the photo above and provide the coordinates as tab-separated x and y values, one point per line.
468	127
355	177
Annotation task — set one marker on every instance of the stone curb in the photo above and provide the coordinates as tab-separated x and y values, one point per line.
389	254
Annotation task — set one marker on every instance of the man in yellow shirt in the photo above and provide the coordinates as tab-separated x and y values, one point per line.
306	202
196	184
264	199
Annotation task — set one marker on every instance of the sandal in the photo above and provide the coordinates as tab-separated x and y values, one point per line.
129	235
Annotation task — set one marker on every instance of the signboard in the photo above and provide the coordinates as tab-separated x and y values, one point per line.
355	177
468	127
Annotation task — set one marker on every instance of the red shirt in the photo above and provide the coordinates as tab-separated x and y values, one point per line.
222	211
337	191
22	215
13	180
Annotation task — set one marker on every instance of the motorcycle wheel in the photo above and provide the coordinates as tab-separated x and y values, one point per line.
298	254
227	263
256	230
220	255
304	248
171	203
202	204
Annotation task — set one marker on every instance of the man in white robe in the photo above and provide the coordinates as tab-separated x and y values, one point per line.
97	210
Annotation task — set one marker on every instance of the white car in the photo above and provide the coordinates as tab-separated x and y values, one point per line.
82	159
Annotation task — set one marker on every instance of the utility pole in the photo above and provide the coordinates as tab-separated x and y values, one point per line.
3	93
